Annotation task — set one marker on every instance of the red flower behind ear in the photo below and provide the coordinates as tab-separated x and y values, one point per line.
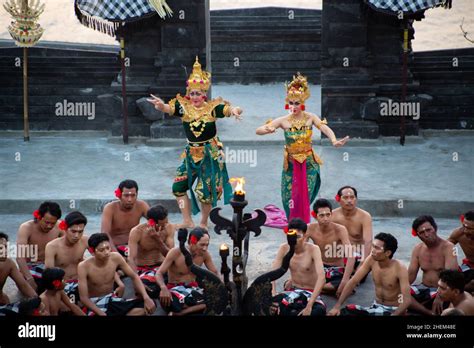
287	106
63	225
36	313
462	218
91	250
337	198
313	214
118	193
151	222
303	107
193	240
413	232
57	284
37	215
285	230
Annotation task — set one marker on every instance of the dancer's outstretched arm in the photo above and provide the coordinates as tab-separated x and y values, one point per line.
159	104
270	126
323	127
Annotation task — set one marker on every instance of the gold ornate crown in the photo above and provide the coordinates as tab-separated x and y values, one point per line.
198	79
297	89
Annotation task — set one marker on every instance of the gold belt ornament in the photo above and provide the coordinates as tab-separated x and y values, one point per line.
196	149
300	153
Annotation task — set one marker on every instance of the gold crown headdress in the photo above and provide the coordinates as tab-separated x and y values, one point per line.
198	79
297	89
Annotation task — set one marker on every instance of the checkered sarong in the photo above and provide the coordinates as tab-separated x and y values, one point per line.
376	309
72	290
404	5
115	10
10	309
36	269
112	305
422	293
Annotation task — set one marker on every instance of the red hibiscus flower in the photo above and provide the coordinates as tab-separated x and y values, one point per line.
413	232
462	218
285	230
337	198
57	284
313	214
63	225
91	250
118	193
37	215
151	223
193	240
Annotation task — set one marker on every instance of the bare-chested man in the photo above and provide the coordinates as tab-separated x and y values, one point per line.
357	221
8	268
54	297
96	282
66	252
307	276
464	235
182	294
336	249
392	289
432	255
149	244
120	216
451	289
33	235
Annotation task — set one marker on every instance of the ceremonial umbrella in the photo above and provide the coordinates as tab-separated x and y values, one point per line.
402	9
109	17
26	32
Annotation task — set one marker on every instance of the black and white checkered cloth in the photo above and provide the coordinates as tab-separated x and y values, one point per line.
115	10
404	5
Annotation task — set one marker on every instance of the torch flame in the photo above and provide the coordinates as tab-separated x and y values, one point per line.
239	188
224	247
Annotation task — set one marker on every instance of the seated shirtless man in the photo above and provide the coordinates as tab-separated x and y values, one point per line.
96	282
464	235
392	289
36	234
432	255
336	249
357	221
182	295
451	289
66	252
55	300
307	276
149	244
8	268
120	216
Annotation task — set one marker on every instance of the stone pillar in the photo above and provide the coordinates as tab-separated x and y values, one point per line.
346	77
183	37
161	53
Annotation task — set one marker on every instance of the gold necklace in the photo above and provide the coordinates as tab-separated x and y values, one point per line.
298	123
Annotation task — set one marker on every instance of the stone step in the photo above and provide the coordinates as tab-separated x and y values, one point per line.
256	23
37	52
266	35
57	125
51	90
270	12
441	90
38	80
278	47
45	99
265	65
265	56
